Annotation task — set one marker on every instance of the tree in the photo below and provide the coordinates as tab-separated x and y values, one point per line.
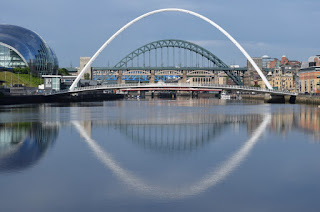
87	76
63	71
18	70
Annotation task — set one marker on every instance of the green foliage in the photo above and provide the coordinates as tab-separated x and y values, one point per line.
25	70
63	71
12	78
258	86
86	76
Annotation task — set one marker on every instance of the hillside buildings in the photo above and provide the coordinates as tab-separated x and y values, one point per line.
282	74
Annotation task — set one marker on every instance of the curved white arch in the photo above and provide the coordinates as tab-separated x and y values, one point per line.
211	179
172	10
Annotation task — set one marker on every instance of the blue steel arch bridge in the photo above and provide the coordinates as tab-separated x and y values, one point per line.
168	61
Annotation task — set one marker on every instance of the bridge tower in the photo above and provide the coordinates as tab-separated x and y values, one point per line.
83	63
251	75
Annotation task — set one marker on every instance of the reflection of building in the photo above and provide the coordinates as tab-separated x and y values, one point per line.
282	122
307	120
23	144
20	47
310	120
309	76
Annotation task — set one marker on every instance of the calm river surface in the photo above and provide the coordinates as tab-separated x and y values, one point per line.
160	155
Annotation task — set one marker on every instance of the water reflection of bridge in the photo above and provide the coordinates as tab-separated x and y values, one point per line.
175	134
215	176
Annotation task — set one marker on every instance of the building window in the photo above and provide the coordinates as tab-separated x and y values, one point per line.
305	86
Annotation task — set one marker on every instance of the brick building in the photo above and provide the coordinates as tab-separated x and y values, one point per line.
309	76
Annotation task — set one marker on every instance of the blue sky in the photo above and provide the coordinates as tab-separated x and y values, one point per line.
75	28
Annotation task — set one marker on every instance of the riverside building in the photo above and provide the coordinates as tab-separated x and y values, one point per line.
309	76
23	48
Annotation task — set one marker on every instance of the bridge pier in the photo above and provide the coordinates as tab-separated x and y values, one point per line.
272	98
290	99
194	94
184	76
119	81
152	76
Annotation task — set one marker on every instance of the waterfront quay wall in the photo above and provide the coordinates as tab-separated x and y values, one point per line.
307	99
63	98
255	97
300	99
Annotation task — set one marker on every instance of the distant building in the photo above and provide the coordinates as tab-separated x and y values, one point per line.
309	77
251	76
52	82
281	79
72	71
275	63
266	60
58	82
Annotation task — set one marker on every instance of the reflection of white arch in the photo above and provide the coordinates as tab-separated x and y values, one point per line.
211	179
172	10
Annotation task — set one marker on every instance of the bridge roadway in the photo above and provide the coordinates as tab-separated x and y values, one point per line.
172	68
174	86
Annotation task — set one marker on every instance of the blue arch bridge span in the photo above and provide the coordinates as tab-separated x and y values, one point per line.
168	60
170	65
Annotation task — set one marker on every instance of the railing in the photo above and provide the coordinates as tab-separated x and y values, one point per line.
171	85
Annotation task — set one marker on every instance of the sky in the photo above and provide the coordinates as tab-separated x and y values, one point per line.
77	28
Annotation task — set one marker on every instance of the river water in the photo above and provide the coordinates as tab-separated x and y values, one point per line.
160	155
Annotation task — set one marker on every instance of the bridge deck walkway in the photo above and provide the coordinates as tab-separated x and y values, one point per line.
174	86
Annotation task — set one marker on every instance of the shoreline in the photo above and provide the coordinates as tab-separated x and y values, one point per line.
91	97
302	99
67	98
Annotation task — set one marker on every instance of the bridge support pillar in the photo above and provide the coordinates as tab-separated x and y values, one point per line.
152	76
216	78
194	94
184	76
119	81
271	98
290	99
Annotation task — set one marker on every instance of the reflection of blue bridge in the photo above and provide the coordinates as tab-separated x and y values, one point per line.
168	60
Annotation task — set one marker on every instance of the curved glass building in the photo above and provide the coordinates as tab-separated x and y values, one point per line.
20	47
